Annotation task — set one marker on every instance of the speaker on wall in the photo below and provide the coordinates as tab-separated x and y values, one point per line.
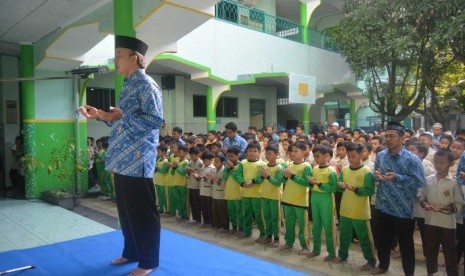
167	82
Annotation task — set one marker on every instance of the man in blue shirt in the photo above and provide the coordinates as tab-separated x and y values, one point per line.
177	135
233	139
460	176
131	155
400	175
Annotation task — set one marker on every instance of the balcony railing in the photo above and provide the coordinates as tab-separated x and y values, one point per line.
258	20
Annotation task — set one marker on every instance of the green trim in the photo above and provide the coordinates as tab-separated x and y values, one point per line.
216	78
353	114
123	25
83	91
306	118
211	110
304	22
28	111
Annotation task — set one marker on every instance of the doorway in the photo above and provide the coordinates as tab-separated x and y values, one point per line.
257	113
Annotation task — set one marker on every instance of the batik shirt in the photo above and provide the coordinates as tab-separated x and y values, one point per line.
237	141
396	198
134	138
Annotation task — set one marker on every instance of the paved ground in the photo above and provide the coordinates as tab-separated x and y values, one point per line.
104	211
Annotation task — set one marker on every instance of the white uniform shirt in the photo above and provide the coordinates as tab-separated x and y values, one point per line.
219	186
440	192
205	185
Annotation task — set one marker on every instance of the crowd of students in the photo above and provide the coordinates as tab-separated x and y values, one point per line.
226	181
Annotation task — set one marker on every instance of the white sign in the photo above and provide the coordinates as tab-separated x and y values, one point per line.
302	88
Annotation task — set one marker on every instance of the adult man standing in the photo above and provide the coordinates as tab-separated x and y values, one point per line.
437	134
234	139
400	175
131	155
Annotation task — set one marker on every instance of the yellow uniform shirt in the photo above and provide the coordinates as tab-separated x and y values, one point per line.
296	190
356	205
272	187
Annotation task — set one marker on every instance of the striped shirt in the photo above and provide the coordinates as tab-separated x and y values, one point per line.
134	138
396	198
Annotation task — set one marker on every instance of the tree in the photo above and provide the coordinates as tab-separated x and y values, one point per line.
402	49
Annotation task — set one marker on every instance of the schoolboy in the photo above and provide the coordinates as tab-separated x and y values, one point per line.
295	198
180	183
206	189
272	175
357	184
232	193
219	205
323	184
172	158
457	147
248	175
159	179
442	198
193	184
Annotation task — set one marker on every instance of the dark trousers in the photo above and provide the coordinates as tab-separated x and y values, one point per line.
421	226
387	226
206	207
139	219
434	237
460	236
92	177
220	213
194	199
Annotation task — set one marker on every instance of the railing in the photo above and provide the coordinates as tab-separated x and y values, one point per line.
258	20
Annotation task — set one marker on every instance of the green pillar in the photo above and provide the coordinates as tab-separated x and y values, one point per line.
306	118
353	114
123	25
28	114
211	110
304	22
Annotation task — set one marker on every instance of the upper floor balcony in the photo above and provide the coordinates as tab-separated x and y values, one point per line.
258	20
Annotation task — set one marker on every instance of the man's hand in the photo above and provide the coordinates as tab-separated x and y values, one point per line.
89	111
94	113
387	177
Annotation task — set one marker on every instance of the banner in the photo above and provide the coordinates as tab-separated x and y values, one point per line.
302	89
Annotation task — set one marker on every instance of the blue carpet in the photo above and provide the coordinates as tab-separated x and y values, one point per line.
180	255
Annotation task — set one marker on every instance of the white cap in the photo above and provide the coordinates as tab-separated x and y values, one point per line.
438	125
335	124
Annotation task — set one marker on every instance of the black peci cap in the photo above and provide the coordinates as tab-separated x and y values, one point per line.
131	43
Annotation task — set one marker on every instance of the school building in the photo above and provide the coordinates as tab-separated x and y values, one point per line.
215	61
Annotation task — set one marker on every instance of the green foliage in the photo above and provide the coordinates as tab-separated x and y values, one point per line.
62	164
402	49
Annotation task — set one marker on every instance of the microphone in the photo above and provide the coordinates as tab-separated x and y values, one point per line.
85	71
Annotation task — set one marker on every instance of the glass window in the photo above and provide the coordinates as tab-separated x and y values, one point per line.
227	106
101	98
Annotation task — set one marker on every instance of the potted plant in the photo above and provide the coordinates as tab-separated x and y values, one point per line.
64	166
59	197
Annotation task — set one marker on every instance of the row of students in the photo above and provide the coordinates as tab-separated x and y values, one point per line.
256	175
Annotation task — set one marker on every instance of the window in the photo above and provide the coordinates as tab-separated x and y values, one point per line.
200	106
101	98
227	106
